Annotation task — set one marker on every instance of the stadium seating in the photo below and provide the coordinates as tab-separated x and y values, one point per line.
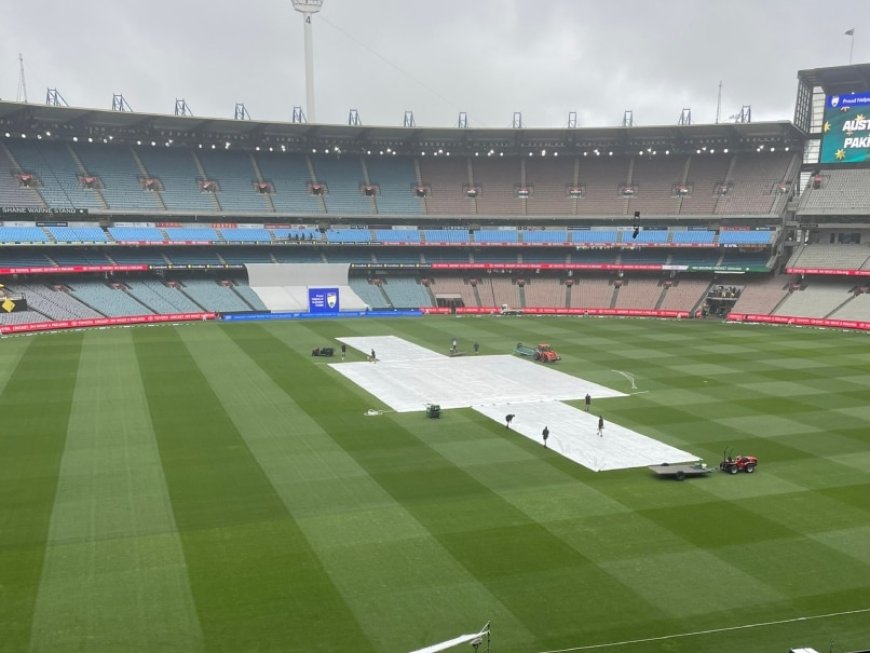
136	235
257	235
592	291
684	294
639	293
394	177
548	180
407	292
78	234
654	178
593	236
732	237
549	236
236	178
602	176
692	237
59	174
397	236
176	168
496	236
446	179
290	177
54	301
453	236
12	193
344	179
119	175
212	296
706	173
841	192
370	293
108	300
197	234
497	179
818	298
23	235
842	257
159	297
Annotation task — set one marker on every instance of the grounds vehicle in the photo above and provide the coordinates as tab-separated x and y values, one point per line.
542	352
682	470
733	464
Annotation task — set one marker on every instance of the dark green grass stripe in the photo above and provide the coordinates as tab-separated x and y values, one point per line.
256	582
514	557
34	414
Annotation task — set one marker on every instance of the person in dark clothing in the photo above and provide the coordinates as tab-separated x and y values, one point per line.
600	426
476	347
546	434
374	358
588	401
343	350
508	419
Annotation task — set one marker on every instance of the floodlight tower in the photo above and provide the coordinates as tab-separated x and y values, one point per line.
307	8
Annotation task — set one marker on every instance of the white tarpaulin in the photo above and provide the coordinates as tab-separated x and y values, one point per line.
408	377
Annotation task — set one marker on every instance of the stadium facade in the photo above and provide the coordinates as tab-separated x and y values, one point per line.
117	217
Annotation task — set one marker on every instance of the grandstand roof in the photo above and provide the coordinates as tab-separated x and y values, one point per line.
66	123
838	80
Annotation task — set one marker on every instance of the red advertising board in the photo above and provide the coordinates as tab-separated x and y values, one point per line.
798	321
616	312
105	321
66	269
828	271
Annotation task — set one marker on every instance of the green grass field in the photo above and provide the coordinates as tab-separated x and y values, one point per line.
215	488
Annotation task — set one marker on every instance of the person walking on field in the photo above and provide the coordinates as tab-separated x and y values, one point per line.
507	420
546	434
343	350
588	401
600	426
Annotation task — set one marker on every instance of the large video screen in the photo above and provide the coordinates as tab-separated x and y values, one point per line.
846	129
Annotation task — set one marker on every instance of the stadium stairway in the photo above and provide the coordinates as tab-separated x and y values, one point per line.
257	171
144	172
81	167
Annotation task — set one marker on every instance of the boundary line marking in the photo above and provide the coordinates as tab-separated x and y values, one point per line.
710	631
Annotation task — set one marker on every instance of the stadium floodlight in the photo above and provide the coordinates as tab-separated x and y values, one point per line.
307	8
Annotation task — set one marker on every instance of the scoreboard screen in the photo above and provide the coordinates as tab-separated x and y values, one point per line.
846	129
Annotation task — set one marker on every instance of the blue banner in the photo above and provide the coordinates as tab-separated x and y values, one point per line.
323	300
252	317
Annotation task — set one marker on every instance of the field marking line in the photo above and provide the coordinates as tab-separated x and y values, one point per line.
707	632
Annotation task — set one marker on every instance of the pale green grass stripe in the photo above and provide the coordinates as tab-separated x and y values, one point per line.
11	352
366	541
114	577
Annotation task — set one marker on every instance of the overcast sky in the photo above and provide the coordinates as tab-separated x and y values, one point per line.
436	58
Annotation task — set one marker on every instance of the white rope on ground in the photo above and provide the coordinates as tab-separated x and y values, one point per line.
628	377
710	631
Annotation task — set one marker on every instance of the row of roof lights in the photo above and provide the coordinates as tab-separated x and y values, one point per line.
389	151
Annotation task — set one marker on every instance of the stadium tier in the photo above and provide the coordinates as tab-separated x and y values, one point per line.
607	225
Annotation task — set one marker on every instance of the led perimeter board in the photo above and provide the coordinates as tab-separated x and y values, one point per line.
846	129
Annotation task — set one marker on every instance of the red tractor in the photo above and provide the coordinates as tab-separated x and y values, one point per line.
733	464
546	354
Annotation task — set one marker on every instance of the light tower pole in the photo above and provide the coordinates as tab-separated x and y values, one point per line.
307	8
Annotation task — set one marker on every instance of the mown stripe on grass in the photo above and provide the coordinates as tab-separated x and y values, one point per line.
11	352
256	582
34	412
542	580
114	577
369	545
